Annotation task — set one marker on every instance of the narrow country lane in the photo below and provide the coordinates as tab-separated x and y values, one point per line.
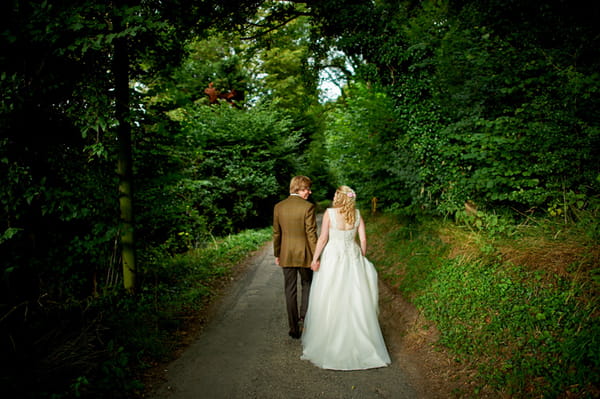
245	352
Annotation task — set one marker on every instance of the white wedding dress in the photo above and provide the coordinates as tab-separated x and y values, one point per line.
341	327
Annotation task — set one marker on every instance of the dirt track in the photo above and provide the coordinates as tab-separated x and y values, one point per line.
245	352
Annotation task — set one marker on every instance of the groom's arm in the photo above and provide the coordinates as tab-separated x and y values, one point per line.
276	236
310	223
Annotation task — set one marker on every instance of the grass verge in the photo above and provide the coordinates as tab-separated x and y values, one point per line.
520	308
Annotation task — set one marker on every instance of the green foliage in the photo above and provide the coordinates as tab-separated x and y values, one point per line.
61	222
59	198
529	332
284	76
173	288
490	105
100	347
216	59
234	163
318	169
448	102
285	73
410	245
535	330
218	169
361	134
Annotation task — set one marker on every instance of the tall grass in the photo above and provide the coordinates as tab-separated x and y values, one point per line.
529	326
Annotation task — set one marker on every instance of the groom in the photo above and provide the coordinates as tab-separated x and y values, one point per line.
294	241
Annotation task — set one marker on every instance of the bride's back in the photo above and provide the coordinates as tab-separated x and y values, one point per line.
338	222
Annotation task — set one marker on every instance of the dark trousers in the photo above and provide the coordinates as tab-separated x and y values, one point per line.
290	276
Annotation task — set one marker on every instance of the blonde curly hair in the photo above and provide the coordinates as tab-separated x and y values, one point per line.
345	198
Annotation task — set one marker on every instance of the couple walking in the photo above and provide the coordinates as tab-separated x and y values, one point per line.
339	313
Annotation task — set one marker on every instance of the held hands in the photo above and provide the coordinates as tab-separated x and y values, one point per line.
315	265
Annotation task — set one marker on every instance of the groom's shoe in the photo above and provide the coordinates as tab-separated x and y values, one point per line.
294	334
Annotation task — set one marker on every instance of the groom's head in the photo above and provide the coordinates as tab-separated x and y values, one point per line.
301	185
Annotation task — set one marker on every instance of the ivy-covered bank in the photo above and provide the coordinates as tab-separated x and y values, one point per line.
521	309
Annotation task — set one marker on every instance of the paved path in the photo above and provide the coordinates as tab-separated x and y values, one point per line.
245	352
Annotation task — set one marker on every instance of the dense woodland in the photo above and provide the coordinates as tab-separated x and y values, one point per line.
135	131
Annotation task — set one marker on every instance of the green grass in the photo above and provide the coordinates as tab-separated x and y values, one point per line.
183	284
144	329
531	329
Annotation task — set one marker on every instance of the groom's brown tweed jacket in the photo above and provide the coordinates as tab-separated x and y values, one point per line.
294	232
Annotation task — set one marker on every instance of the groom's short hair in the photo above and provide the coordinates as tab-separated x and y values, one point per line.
299	183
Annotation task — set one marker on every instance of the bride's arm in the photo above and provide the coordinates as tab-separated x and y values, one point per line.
362	235
323	238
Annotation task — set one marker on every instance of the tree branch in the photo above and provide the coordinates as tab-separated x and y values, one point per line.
12	310
271	28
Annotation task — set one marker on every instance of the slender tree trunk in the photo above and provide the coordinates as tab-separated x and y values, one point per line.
124	163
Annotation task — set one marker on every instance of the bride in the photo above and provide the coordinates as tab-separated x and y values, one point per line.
341	327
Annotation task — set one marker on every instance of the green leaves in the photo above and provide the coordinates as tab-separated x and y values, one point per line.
487	111
360	141
224	170
8	234
528	331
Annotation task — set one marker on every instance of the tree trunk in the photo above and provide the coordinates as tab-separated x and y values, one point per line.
124	160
